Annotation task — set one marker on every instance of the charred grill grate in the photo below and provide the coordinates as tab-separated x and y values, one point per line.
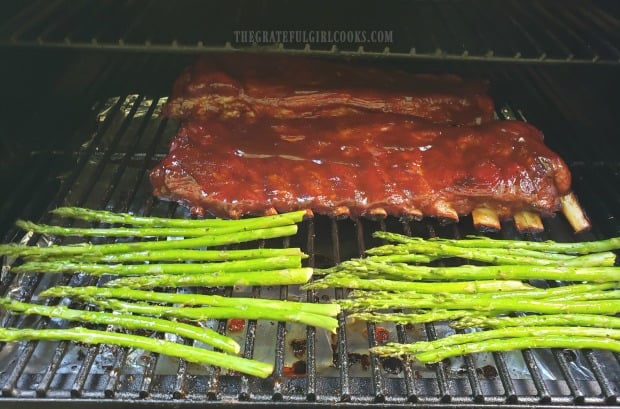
111	172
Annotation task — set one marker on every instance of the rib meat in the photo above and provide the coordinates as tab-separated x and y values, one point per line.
249	87
361	164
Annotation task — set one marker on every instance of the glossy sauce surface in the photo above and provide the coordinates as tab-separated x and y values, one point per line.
402	165
251	86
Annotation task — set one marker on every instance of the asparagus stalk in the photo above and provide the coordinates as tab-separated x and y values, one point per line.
189	353
180	255
103	216
547	246
580	320
206	335
558	294
598	295
488	255
92	292
288	276
497	345
486	304
505	333
606	259
368	267
413	318
439	249
352	281
142	231
272	263
203	313
15	250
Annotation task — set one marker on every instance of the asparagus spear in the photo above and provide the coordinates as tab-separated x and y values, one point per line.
142	231
103	216
413	318
206	335
351	281
581	320
15	250
598	295
438	249
497	345
272	263
558	294
92	292
203	313
189	353
486	304
180	255
547	246
501	333
368	267
273	277
488	255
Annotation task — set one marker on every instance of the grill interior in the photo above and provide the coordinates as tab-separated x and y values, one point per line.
571	32
86	129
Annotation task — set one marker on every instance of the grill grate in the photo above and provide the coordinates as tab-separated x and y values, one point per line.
481	30
110	172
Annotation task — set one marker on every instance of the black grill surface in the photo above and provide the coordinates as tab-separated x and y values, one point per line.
103	163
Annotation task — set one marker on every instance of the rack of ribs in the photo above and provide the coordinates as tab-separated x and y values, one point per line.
373	164
252	86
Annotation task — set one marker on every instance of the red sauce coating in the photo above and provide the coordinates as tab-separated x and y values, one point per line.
381	335
235	325
251	86
392	162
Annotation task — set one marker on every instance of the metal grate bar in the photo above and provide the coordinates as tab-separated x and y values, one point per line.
441	370
343	356
180	384
608	390
114	376
377	378
213	385
401	333
248	352
50	371
575	389
280	344
147	378
543	391
408	372
474	382
311	389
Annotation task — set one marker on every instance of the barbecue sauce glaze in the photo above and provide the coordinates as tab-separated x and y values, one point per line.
361	162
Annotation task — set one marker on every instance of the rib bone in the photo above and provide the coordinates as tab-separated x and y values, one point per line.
528	222
571	209
378	212
486	219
